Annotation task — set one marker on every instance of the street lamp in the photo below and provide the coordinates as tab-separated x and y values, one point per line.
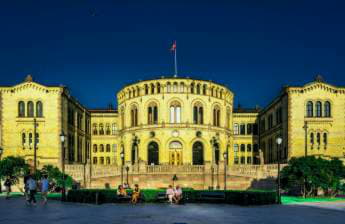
35	145
305	154
279	142
122	155
225	155
174	179
127	169
62	139
1	151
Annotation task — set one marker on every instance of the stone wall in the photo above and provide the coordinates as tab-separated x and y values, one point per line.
198	177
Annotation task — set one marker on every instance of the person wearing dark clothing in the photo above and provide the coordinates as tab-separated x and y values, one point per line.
32	186
8	184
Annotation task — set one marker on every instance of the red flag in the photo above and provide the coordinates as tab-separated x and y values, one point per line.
173	47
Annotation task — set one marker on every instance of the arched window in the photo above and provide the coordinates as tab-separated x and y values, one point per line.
221	94
327	109
312	140
134	116
318	109
168	87
94	148
23	139
198	89
101	129
158	87
175	87
212	91
113	129
152	114
236	129
181	87
107	148
198	153
204	88
30	109
249	148
153	154
318	139
152	88
146	89
198	113
101	148
95	132
107	129
216	116
175	112
243	147
21	109
310	109
192	88
325	140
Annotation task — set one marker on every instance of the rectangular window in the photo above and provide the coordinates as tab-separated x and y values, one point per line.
249	129
243	160
255	129
242	129
249	160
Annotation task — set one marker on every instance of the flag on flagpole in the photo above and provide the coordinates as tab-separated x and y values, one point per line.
173	49
173	46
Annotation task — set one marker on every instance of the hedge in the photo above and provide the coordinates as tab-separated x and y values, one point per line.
189	195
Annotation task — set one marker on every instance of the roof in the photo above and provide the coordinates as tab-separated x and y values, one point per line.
177	78
103	111
246	110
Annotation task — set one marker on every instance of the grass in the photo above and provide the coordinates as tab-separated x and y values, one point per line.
38	195
293	200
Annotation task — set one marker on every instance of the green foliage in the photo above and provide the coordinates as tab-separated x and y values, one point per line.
189	195
317	173
13	168
56	176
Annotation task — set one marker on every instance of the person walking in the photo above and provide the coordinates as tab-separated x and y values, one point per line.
26	189
44	188
32	186
8	184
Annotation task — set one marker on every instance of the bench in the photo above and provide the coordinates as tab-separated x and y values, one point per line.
126	198
212	196
161	197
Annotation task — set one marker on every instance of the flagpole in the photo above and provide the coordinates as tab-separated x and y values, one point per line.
175	59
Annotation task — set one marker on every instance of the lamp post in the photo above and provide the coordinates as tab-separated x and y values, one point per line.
1	151
127	169
305	155
225	155
174	179
122	155
35	145
62	139
279	142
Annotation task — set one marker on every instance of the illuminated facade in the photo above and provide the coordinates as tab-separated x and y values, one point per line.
171	121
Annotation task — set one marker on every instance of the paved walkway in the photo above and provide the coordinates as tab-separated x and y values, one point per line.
15	211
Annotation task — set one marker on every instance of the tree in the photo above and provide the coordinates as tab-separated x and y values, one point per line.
56	176
13	168
316	173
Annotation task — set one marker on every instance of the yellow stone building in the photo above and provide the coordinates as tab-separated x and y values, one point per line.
171	121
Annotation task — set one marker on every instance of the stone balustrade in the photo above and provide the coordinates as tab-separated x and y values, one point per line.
175	169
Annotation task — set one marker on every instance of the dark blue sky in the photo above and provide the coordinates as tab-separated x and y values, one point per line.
96	47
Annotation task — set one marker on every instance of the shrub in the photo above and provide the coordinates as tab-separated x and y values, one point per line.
189	195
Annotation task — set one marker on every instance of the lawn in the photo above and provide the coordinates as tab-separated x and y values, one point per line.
293	200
